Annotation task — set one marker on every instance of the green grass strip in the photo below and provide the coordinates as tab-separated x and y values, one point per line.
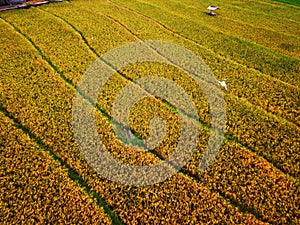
289	2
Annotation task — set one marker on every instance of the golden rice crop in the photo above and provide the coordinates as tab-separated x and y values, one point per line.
253	56
260	89
277	10
129	203
38	82
249	16
35	188
242	163
268	38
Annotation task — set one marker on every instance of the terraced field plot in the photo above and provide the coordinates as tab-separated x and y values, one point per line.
45	51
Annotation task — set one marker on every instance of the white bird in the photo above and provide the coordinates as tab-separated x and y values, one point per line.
223	84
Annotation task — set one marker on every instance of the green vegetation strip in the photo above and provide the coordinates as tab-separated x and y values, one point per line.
290	2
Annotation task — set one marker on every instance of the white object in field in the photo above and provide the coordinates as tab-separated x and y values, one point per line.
223	84
212	8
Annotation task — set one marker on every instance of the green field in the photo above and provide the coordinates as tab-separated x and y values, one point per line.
46	50
291	2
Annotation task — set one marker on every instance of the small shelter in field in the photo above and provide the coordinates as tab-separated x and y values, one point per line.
211	9
11	2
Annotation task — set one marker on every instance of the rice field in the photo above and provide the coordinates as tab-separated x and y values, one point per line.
46	50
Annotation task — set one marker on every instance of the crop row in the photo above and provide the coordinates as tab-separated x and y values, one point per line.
251	141
117	86
234	168
36	189
242	15
259	89
70	57
266	210
243	166
42	102
237	173
267	22
270	39
253	56
271	8
248	124
262	133
112	86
